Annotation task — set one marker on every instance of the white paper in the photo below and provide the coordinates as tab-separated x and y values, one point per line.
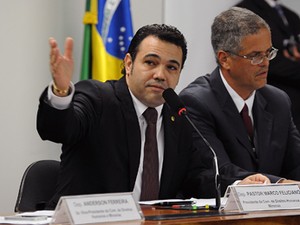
161	201
48	213
196	202
25	221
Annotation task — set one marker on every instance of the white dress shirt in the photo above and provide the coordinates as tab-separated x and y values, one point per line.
140	108
238	100
272	3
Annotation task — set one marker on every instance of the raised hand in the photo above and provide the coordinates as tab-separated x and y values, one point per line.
61	66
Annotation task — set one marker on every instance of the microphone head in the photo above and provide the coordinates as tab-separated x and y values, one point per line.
173	100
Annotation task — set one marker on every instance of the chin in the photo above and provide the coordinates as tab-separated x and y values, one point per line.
155	103
261	85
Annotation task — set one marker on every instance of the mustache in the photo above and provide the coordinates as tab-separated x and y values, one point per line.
157	83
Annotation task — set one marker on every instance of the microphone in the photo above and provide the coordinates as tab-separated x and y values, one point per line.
177	106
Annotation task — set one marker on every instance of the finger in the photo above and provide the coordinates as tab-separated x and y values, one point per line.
294	49
54	50
267	182
53	56
263	179
52	42
296	53
69	48
287	55
255	182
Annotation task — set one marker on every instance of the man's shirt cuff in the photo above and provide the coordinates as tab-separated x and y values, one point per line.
60	102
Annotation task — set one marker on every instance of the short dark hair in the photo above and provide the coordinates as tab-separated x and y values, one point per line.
163	32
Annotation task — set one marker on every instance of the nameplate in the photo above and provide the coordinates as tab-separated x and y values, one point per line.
99	208
246	198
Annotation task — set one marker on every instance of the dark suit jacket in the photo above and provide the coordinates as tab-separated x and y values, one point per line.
101	143
283	73
277	141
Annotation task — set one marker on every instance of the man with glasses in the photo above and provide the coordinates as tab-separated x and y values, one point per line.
257	57
284	70
247	122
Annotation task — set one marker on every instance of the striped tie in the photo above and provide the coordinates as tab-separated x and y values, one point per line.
150	180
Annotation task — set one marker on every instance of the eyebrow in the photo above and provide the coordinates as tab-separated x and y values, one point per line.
258	52
157	56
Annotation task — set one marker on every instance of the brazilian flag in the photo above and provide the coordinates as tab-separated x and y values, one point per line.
107	35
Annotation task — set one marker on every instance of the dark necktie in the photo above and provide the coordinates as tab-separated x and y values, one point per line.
247	121
150	180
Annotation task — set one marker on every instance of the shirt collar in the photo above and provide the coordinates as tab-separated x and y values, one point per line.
238	100
272	3
140	107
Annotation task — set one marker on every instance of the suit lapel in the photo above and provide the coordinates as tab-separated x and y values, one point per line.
132	129
263	122
230	112
170	122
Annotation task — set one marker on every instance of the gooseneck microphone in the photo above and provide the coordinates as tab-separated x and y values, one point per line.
177	106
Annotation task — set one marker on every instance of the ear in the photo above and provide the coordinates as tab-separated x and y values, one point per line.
224	59
128	63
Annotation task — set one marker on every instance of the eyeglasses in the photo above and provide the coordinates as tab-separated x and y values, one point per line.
258	58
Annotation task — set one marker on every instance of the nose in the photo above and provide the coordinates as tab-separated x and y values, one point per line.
160	74
265	61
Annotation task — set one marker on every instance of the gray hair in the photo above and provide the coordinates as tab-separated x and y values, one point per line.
231	26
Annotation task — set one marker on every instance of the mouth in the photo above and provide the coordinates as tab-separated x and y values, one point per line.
262	74
157	87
